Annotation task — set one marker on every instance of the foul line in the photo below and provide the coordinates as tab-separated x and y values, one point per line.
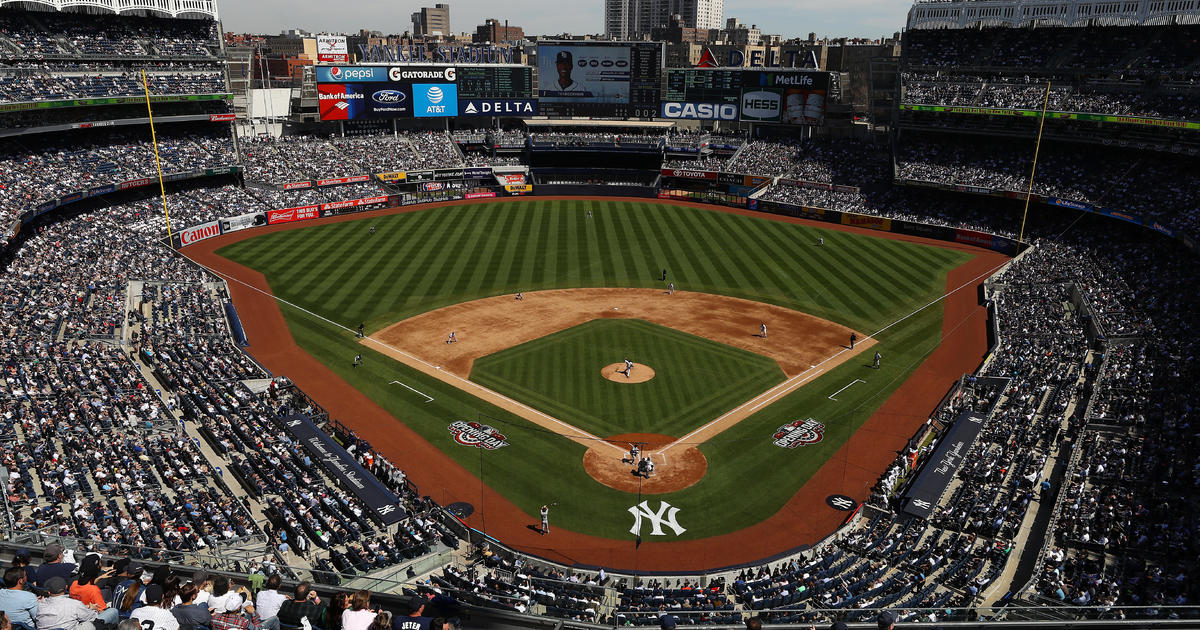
793	382
580	433
857	380
413	390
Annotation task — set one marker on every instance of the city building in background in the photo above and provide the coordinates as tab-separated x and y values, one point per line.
432	21
494	32
637	19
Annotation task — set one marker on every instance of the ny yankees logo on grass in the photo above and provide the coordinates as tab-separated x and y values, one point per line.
642	510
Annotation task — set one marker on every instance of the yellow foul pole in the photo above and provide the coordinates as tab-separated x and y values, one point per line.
157	163
1037	147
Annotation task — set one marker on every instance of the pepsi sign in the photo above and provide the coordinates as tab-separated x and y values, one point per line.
700	111
351	74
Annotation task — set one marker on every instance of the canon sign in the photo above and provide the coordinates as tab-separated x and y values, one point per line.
760	105
199	233
700	111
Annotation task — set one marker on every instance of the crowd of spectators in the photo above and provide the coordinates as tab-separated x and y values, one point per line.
288	159
1130	181
1121	97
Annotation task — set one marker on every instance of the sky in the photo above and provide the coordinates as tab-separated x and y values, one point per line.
790	18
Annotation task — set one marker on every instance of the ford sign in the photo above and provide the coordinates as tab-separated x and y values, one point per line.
388	97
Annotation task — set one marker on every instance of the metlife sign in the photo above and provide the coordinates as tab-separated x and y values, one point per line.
435	100
700	111
498	107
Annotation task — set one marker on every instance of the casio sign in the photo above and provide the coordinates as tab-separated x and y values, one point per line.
388	97
760	104
701	111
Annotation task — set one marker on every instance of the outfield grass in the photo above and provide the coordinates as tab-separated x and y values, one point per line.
695	379
423	260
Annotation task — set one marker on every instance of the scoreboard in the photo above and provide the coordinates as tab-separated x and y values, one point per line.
711	86
600	79
492	82
777	95
372	92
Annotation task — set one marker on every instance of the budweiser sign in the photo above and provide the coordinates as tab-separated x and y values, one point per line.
798	433
222	117
288	215
470	433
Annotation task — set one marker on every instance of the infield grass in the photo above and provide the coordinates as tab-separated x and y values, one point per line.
695	380
423	260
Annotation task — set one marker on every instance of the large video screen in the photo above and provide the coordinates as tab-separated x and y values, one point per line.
786	96
424	91
601	79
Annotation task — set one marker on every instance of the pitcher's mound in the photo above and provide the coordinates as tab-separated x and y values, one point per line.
675	469
616	372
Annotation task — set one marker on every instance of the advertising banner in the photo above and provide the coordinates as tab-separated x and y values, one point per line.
978	190
432	186
518	189
397	176
753	181
420	176
736	179
498	107
338	181
287	215
448	173
240	222
921	229
1116	214
332	49
101	190
222	117
762	105
700	111
434	100
688	174
1068	203
296	185
862	220
135	183
199	233
353	203
971	237
345	470
477	173
846	189
511	178
71	198
479	195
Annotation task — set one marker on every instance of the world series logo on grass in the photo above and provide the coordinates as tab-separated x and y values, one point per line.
799	433
470	433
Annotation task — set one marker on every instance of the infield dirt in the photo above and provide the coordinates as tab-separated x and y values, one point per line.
803	520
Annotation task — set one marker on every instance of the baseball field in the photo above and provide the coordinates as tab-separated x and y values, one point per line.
525	407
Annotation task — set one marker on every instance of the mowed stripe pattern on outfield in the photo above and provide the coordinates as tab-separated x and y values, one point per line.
695	379
423	260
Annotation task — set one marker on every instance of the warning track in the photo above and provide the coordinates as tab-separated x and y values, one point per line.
803	520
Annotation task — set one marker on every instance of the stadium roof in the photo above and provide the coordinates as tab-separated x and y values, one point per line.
929	14
171	8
